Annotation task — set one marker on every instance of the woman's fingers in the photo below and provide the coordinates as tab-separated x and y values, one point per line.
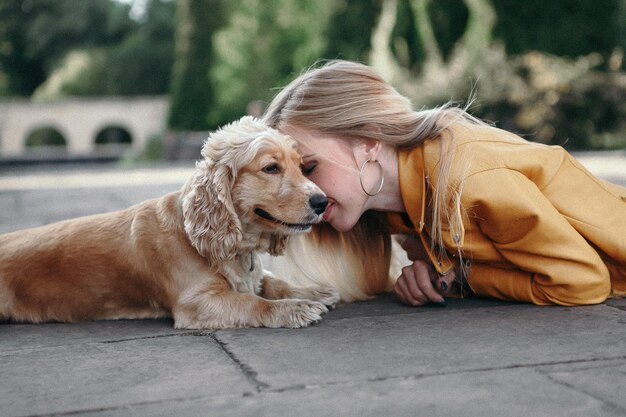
415	285
407	291
443	283
425	275
402	292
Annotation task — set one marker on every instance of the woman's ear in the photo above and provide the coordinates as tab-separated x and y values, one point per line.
365	149
373	149
209	215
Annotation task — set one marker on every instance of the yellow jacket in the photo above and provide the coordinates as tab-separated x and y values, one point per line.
538	227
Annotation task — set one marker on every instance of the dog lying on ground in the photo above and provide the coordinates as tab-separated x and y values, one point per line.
192	255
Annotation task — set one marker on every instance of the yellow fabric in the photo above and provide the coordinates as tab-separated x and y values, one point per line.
538	227
416	210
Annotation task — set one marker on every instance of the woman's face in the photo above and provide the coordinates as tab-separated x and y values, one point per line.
331	163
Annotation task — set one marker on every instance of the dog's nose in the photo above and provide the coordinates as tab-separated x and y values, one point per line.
318	203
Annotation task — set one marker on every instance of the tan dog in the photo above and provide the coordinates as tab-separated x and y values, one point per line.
191	255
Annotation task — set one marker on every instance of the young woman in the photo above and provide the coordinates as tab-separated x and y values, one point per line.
480	209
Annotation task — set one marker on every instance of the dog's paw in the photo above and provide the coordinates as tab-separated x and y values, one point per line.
329	296
297	313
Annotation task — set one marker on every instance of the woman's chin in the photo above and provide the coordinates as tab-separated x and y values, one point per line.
340	226
334	218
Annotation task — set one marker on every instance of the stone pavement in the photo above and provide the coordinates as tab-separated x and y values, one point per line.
378	358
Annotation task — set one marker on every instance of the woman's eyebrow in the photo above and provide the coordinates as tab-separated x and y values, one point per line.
308	155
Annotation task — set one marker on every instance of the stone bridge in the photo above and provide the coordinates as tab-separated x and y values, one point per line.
77	122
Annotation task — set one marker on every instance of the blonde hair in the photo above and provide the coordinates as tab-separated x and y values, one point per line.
349	99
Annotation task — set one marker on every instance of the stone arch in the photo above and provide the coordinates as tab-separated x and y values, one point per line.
45	135
45	139
113	133
113	138
79	121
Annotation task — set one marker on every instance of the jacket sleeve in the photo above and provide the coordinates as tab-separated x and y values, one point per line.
553	263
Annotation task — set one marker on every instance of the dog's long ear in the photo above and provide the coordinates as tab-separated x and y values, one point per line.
209	215
278	244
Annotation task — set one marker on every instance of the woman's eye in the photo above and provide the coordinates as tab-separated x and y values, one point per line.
307	169
272	169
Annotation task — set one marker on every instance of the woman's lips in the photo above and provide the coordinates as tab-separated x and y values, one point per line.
329	209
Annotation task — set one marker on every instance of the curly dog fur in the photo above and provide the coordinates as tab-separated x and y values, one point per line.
192	255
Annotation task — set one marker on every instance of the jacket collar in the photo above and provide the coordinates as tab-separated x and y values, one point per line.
411	174
412	177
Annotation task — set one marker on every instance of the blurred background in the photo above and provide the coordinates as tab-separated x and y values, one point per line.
146	79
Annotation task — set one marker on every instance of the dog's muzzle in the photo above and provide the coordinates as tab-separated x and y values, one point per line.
318	203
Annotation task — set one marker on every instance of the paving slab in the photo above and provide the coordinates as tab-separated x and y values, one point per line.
487	355
32	208
429	342
472	358
510	392
19	337
598	379
87	376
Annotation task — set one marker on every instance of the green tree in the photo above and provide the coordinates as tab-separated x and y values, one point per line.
36	35
565	28
192	93
264	43
22	72
350	28
139	64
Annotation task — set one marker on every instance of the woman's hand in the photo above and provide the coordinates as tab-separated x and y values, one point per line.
420	284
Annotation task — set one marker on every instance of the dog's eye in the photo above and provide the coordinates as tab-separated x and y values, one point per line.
272	169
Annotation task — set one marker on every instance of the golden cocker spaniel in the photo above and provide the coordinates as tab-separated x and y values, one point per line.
192	255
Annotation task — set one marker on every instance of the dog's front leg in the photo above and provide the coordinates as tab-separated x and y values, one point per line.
218	306
276	289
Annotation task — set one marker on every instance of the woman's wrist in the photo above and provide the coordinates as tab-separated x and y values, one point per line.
454	281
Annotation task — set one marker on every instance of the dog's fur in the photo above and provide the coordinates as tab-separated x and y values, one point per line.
359	265
190	255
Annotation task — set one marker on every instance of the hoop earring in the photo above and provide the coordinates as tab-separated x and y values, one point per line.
382	178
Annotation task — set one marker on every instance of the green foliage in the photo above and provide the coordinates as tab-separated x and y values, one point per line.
139	64
36	35
215	57
264	43
126	57
350	28
192	93
449	17
553	99
405	39
556	100
565	27
154	150
22	70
